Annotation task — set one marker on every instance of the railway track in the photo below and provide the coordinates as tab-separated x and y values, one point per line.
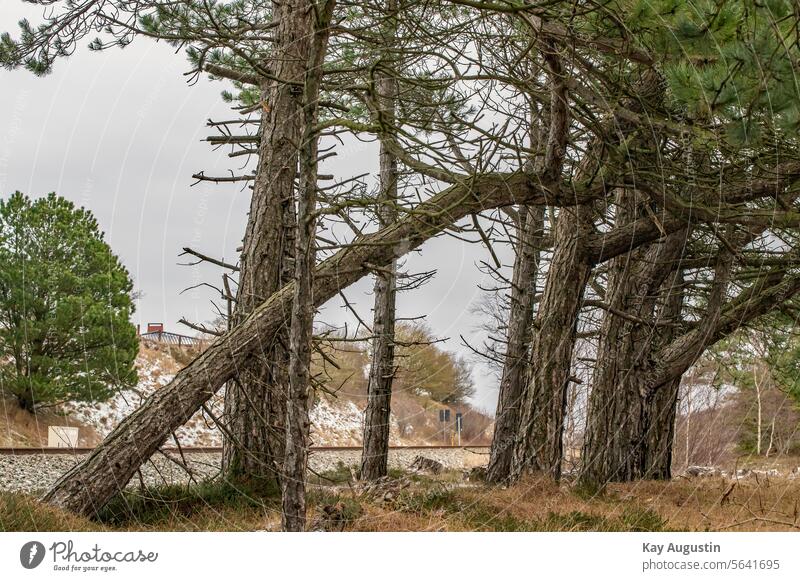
216	449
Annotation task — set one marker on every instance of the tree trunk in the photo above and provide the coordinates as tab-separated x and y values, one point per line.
539	444
576	250
758	409
688	420
92	483
621	409
375	451
664	411
613	447
538	447
529	446
26	400
771	436
630	422
312	27
377	415
518	339
255	400
621	406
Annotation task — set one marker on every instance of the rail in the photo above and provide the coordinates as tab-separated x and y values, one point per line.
216	449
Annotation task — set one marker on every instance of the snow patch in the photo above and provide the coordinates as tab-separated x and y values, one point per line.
334	423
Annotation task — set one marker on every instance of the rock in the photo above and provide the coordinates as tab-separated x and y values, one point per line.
702	471
477	474
771	473
35	473
748	473
426	465
331	518
385	489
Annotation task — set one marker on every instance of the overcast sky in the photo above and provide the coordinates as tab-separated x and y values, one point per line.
119	132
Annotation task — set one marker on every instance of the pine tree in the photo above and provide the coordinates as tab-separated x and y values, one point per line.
65	305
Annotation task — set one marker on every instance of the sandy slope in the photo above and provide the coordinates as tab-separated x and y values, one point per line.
336	421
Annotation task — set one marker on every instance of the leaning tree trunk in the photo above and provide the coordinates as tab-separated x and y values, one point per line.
722	317
631	412
544	397
89	485
539	443
544	393
518	338
375	451
255	399
664	403
102	474
621	408
576	250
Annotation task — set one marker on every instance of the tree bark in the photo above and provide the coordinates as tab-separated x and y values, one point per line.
620	415
577	249
27	401
377	415
661	435
91	484
518	340
539	442
546	135
758	409
638	369
313	28
540	425
255	399
664	403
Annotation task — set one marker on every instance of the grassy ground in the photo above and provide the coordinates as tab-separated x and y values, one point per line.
441	503
21	428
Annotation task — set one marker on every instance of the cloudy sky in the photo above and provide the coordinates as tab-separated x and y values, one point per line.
119	132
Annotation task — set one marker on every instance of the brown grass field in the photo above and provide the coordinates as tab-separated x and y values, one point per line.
411	502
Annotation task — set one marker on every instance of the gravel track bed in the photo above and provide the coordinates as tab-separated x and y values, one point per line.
37	472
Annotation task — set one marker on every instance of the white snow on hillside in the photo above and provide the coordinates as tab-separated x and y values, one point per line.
340	423
334	423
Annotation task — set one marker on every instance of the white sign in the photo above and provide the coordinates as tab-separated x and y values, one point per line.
62	437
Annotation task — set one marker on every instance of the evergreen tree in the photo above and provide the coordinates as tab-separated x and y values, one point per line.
65	305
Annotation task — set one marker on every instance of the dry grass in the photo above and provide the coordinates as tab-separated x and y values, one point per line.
711	504
444	504
170	358
211	506
20	428
532	505
21	512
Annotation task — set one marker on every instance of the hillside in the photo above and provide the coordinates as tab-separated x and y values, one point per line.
336	419
19	428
